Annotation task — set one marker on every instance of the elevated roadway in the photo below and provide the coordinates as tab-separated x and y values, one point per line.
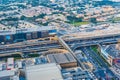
106	36
72	53
94	34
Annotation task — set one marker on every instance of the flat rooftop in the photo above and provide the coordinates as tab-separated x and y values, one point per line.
49	71
6	73
61	58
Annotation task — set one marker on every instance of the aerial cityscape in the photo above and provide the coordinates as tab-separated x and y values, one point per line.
59	39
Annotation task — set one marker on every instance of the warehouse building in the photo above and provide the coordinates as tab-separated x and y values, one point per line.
65	60
9	75
49	71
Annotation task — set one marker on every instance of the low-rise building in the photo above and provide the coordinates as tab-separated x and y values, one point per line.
49	71
65	60
9	75
77	74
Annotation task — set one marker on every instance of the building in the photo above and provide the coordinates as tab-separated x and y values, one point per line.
18	35
114	51
9	75
64	60
106	55
77	74
10	63
43	72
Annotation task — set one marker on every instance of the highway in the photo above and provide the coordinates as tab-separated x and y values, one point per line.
95	57
92	38
27	43
100	60
94	34
79	43
29	47
90	57
97	60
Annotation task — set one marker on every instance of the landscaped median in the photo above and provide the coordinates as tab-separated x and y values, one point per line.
116	19
95	48
33	55
80	23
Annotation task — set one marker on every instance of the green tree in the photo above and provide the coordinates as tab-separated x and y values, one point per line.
74	19
93	20
41	15
22	17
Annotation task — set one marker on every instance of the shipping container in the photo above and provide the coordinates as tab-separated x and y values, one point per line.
44	34
39	34
1	38
28	36
34	35
8	38
52	32
19	37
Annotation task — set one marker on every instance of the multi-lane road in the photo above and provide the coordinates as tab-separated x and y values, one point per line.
29	47
90	57
80	43
96	60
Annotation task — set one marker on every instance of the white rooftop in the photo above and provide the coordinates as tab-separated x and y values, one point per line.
7	73
49	71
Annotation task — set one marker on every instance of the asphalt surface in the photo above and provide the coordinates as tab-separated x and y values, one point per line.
97	60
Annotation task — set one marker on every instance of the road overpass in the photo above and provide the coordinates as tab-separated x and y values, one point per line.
92	38
73	44
93	34
106	36
70	50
